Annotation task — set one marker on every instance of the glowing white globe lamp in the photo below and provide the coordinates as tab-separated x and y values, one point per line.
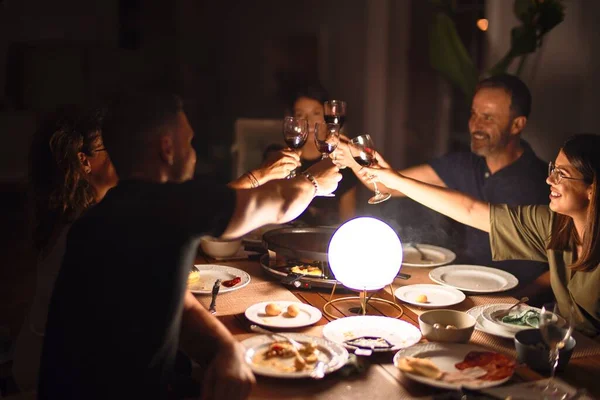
364	254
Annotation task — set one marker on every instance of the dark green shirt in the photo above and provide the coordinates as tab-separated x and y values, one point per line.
523	232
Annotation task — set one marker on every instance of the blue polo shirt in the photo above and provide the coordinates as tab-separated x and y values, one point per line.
520	183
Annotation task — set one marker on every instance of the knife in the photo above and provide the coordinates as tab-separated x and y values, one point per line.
215	291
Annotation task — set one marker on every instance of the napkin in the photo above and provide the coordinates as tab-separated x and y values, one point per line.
523	318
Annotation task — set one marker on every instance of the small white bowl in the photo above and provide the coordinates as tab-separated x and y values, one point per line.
464	325
219	248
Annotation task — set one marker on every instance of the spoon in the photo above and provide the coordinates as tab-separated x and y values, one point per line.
502	314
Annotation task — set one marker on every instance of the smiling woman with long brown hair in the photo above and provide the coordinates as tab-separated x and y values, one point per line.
566	233
70	171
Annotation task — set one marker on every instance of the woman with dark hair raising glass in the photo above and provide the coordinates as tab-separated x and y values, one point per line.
566	233
307	102
70	171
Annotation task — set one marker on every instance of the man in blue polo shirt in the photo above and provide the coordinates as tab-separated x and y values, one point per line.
501	167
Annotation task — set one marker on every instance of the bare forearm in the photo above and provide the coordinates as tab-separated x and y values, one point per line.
456	205
201	333
275	202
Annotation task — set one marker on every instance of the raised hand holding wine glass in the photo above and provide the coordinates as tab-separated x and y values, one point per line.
335	112
363	152
556	331
327	137
295	133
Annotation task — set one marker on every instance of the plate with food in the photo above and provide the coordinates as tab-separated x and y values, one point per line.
452	366
279	359
520	318
474	278
475	312
372	333
429	296
425	255
283	314
202	277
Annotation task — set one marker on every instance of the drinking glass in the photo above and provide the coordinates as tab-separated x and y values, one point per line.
295	133
363	152
556	331
327	137
335	112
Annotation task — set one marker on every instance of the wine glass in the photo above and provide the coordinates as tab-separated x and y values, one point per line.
555	331
335	112
327	137
295	133
363	152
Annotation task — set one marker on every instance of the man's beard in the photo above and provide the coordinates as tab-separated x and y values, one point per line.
484	146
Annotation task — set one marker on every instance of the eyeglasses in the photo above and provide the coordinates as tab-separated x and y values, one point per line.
99	150
557	175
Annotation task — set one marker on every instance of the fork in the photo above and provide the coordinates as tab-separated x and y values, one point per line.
295	345
258	329
424	256
502	314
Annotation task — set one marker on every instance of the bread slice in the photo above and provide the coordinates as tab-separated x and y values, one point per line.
419	366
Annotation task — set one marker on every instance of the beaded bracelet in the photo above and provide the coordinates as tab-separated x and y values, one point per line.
312	180
253	181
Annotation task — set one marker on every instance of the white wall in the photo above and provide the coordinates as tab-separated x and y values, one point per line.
562	76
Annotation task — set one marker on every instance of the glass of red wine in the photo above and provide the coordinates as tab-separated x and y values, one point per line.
363	152
327	137
295	133
335	112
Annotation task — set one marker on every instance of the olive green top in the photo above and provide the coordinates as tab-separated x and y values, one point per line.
523	233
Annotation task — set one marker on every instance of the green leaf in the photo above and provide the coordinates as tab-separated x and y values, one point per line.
524	10
551	13
448	55
523	40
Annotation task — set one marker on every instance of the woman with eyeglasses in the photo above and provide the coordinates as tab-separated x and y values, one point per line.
566	233
70	171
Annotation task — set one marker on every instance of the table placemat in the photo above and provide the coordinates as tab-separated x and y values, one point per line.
238	301
260	288
585	347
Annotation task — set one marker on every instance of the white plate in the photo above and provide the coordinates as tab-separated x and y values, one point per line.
209	273
438	255
474	278
488	319
444	356
333	355
437	295
399	333
308	315
475	312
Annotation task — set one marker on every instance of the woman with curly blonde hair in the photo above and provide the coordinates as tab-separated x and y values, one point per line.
70	171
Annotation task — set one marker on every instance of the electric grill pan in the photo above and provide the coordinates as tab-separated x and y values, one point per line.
298	246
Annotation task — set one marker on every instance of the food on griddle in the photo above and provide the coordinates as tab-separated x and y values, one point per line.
419	366
306	270
293	310
232	282
421	298
272	309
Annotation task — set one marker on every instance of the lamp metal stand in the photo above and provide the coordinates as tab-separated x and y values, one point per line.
363	299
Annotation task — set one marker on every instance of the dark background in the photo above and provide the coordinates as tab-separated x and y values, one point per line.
237	58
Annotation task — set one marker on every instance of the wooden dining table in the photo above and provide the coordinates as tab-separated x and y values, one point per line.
377	377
